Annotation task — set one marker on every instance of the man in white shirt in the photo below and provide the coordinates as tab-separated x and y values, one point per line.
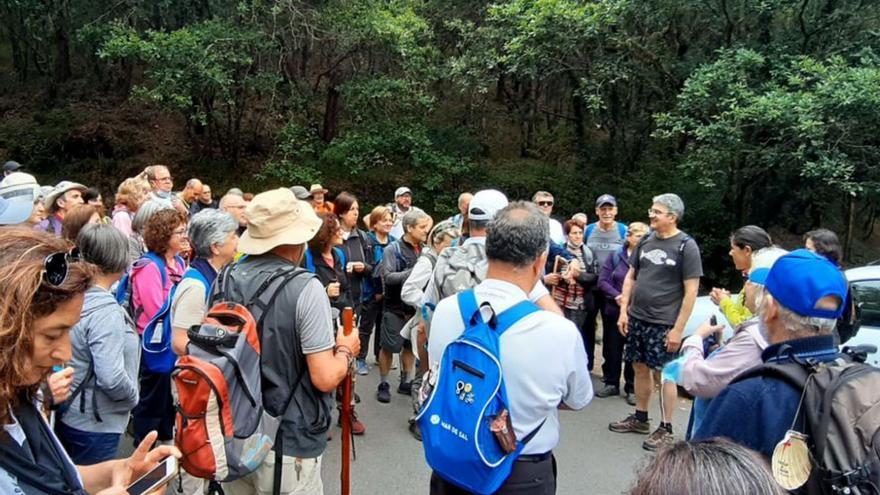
544	200
542	355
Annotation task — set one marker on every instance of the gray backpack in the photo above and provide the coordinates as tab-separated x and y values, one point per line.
841	415
460	268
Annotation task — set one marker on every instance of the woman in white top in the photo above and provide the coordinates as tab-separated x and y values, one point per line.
42	297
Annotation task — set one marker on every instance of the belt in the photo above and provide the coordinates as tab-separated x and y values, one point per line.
535	457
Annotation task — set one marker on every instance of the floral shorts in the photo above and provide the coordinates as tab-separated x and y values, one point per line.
646	343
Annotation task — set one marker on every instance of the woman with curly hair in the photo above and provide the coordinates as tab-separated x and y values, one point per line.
43	295
153	278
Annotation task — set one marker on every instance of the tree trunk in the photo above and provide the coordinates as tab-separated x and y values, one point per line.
62	44
331	114
850	222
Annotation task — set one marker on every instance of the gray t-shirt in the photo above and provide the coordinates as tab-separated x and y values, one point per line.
604	243
660	274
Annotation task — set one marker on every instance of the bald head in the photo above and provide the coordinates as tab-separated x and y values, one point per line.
234	205
193	190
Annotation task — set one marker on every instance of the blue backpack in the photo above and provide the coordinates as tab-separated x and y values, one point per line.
309	262
621	230
469	394
157	355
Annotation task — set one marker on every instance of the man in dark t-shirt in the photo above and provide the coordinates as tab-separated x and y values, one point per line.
658	297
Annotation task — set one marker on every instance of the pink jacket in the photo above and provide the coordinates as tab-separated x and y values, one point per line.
122	219
706	377
147	294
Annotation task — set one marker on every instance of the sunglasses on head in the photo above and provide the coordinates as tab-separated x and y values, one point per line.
57	265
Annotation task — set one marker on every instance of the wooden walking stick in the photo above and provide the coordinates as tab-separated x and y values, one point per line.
347	326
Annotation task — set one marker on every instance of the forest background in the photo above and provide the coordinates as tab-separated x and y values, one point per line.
754	111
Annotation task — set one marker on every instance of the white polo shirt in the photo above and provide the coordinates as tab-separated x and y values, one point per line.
542	356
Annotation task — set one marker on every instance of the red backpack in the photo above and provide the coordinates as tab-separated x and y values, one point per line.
222	429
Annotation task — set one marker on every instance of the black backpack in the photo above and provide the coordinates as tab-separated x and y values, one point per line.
840	413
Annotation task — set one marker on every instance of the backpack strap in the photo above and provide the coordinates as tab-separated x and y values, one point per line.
589	231
160	262
510	316
341	254
193	274
309	261
621	229
638	250
467	306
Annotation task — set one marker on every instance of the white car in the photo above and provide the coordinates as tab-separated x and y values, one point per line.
865	281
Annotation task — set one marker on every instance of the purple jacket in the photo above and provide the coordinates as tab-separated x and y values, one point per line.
611	279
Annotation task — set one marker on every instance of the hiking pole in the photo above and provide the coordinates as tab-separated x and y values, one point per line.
347	326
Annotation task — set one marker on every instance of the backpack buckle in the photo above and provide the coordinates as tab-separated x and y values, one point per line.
852	478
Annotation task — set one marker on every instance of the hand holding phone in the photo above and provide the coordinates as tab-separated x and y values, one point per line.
155	478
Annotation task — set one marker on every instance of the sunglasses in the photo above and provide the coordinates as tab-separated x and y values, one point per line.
57	265
545	203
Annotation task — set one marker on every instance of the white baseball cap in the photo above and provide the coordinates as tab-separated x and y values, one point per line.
486	204
401	191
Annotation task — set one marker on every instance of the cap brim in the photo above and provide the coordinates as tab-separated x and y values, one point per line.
16	212
299	232
759	276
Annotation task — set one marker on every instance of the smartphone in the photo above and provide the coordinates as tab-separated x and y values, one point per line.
713	320
160	475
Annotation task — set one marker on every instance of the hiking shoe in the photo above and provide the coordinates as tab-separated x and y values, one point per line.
405	388
630	425
383	394
631	398
661	437
608	391
362	368
357	428
415	431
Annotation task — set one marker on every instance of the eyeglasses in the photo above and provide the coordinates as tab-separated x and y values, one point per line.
164	179
179	232
655	211
545	203
56	266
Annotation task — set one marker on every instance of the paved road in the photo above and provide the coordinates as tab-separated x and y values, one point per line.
590	458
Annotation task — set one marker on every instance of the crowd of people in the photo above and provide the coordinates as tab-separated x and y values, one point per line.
97	308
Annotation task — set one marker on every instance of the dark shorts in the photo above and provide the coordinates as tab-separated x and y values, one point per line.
646	343
389	338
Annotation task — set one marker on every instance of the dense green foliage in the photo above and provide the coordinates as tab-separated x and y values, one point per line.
756	111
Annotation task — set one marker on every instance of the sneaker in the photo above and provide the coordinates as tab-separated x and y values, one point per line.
405	388
608	391
383	394
415	431
661	437
362	368
631	425
631	398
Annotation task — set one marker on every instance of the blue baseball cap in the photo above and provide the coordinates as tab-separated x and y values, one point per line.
800	279
14	212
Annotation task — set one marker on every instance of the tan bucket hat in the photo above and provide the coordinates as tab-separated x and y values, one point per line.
277	218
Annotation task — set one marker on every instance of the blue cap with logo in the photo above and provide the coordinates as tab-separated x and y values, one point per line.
800	279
